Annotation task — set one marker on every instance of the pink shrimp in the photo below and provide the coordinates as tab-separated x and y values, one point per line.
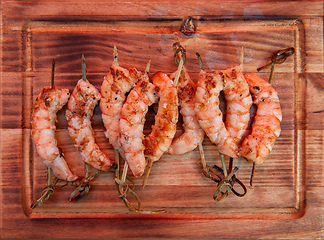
164	129
78	115
193	134
47	104
266	126
116	84
132	123
210	116
238	102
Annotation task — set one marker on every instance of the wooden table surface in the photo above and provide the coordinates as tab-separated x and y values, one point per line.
286	200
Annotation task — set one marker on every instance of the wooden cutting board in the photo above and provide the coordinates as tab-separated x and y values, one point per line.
286	200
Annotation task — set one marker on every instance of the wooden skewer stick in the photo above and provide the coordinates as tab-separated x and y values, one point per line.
115	56
125	169
53	71
117	162
84	69
201	150
252	174
253	166
150	161
242	56
202	157
178	72
147	172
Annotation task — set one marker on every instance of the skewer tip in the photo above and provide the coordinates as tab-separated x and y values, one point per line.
84	75
53	70
242	55
115	55
147	173
199	61
147	68
252	174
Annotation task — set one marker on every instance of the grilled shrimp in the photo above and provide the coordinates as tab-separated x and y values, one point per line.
193	134
238	102
47	104
210	116
163	131
266	126
78	115
132	123
116	84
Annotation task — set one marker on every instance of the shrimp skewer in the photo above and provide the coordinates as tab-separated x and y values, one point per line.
187	104
47	104
193	134
278	57
238	102
131	137
159	140
266	126
164	129
132	123
78	115
116	84
210	116
238	99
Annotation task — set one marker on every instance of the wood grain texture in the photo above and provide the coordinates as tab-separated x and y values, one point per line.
286	200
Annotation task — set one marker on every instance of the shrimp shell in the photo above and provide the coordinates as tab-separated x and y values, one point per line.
132	124
116	84
164	129
266	126
78	115
193	134
47	104
238	102
210	116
